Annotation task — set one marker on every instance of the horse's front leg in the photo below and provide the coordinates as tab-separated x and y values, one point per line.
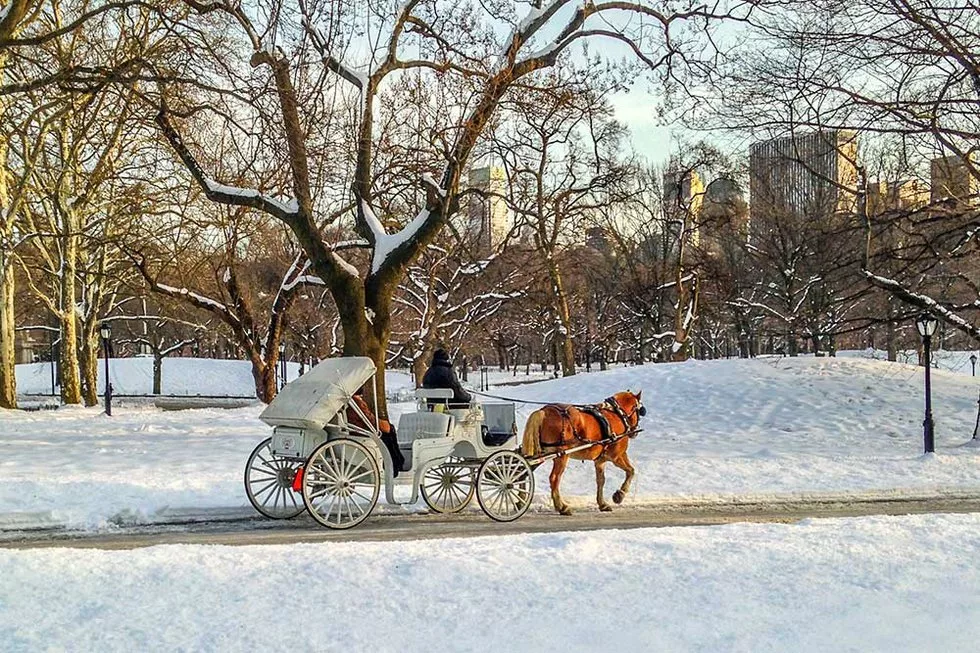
623	462
600	482
561	462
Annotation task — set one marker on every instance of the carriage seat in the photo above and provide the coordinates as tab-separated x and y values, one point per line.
414	426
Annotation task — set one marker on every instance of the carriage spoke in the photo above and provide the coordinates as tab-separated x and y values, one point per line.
505	485
346	485
447	496
366	472
448	487
265	488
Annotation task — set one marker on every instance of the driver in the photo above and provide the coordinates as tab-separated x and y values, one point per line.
442	375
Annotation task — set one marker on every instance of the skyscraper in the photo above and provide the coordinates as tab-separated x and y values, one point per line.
489	218
808	176
683	199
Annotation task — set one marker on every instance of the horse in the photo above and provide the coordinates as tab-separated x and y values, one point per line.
558	427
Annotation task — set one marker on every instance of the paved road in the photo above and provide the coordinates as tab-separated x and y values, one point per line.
474	524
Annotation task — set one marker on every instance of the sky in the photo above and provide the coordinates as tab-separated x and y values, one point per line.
650	138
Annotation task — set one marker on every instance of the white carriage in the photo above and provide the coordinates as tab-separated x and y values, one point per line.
319	461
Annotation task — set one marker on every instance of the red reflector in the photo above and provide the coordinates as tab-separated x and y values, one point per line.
298	480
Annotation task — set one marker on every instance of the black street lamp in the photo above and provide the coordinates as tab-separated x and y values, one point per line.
926	325
976	428
106	332
282	364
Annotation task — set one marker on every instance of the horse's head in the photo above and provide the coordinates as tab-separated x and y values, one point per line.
631	406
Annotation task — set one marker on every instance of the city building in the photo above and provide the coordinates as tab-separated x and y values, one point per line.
892	196
807	176
952	179
596	238
490	220
683	201
724	210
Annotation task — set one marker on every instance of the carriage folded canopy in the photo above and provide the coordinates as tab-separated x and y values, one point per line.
313	399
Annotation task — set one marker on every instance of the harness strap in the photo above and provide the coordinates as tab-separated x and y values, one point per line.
595	411
616	408
604	426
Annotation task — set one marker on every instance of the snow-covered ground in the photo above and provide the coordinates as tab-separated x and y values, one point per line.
876	584
714	430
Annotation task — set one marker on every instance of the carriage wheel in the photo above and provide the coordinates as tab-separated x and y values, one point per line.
448	487
505	485
341	483
269	483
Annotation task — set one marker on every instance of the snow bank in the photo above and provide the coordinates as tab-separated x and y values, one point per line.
874	584
716	429
180	376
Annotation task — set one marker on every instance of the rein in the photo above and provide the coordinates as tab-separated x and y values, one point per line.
615	407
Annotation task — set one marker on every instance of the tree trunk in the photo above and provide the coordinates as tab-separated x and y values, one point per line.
157	371
687	303
566	347
71	389
90	368
8	379
266	380
890	339
792	344
418	369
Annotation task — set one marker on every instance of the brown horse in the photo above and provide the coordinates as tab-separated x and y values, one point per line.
558	427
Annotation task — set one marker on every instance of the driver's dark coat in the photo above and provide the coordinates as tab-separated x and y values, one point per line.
442	375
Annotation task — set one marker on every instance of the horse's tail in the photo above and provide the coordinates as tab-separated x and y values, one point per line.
532	434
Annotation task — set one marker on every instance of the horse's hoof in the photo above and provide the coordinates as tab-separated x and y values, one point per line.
618	496
605	508
566	511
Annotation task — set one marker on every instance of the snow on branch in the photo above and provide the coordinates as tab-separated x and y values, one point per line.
200	300
923	302
385	243
222	193
356	77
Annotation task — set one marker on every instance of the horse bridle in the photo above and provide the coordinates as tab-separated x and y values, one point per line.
638	411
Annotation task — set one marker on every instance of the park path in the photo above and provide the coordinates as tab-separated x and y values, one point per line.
474	524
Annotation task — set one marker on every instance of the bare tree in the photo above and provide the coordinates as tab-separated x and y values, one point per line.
248	290
445	296
564	162
486	51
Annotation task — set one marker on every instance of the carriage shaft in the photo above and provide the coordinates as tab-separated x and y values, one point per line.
581	447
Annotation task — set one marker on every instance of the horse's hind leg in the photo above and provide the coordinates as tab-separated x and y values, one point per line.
623	462
600	481
557	470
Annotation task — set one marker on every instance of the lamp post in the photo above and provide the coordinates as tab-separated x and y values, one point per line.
976	428
282	364
106	332
926	325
